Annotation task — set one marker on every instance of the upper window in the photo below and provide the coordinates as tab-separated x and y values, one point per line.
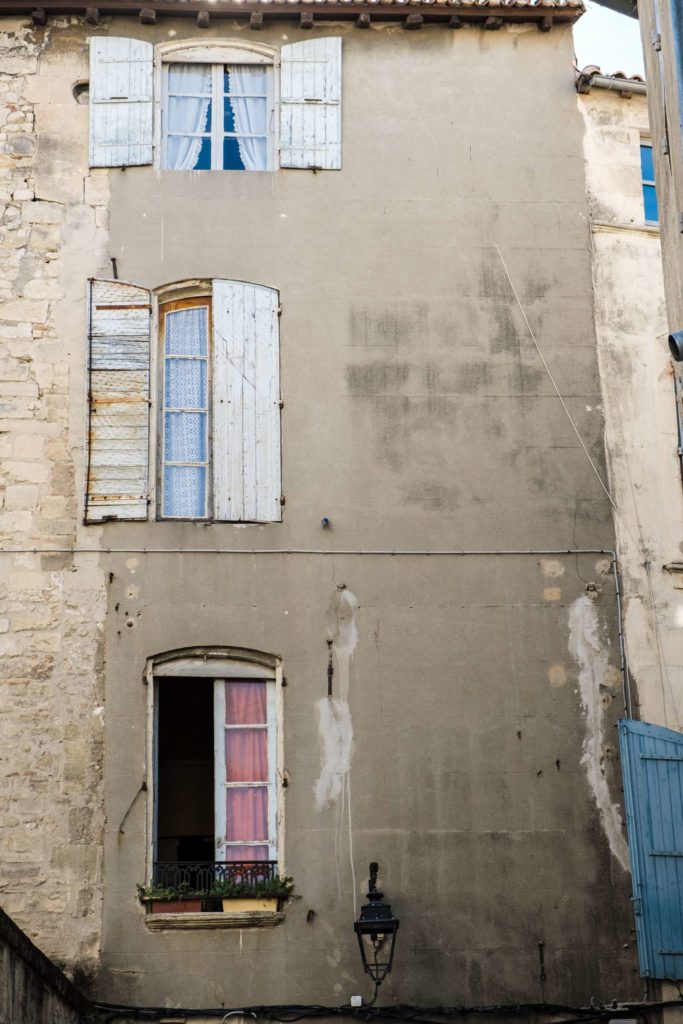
218	451
217	117
647	170
216	105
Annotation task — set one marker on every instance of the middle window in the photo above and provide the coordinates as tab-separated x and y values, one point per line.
217	117
219	409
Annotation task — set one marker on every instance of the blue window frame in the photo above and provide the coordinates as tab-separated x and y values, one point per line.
647	170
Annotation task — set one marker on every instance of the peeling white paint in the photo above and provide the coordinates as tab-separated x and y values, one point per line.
342	631
586	649
336	739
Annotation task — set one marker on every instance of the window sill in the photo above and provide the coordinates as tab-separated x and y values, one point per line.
203	920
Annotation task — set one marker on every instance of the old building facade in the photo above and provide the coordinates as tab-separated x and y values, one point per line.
307	562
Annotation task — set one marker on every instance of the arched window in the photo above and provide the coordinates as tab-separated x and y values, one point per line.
218	415
214	759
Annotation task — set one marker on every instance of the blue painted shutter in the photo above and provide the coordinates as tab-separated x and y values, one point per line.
652	759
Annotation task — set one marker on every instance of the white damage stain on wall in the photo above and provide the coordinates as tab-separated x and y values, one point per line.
335	727
591	657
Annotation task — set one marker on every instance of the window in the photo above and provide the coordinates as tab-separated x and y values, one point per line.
218	437
214	806
648	175
217	117
216	107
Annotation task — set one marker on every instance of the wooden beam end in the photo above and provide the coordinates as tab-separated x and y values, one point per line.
203	19
363	20
148	16
256	21
306	20
413	21
92	16
39	16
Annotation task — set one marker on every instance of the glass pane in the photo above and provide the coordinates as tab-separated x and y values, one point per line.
232	161
186	332
246	755
189	78
245	703
650	201
246	116
247	813
185	437
203	161
245	79
184	491
247	853
647	163
189	115
185	386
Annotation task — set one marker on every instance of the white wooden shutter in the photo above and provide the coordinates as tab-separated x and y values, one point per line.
118	402
246	403
310	104
121	109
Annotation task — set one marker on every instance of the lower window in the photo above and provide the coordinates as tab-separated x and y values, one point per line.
214	818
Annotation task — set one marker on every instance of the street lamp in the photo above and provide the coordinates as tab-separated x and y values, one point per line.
376	930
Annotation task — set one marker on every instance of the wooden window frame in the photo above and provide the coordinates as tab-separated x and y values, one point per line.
166	307
218	53
218	664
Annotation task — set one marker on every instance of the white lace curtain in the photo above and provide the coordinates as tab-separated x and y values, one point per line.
251	115
187	114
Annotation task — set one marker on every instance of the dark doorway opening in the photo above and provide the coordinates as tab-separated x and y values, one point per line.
185	770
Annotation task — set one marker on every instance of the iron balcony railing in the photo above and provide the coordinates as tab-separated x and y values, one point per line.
205	876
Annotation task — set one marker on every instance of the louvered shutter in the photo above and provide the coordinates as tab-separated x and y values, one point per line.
121	110
118	402
310	104
246	403
652	762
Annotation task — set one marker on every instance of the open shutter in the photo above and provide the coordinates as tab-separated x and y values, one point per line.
121	110
310	104
118	402
652	759
246	403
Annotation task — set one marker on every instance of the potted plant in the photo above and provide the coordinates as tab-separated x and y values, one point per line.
180	899
266	895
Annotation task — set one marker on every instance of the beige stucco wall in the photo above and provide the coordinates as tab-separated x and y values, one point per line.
482	689
640	406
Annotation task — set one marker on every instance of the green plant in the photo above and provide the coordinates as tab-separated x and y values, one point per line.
279	886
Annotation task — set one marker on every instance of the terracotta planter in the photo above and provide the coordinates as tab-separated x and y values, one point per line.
176	906
240	904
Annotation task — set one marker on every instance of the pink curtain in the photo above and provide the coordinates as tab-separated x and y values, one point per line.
246	760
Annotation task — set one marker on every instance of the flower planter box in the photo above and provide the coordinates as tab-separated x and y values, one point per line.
175	906
240	904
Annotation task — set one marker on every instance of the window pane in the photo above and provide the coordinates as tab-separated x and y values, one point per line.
247	813
245	79
246	755
184	491
247	853
245	703
650	201
185	437
647	163
189	78
185	384
186	332
246	116
232	161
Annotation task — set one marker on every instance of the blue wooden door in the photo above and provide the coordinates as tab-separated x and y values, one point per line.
652	759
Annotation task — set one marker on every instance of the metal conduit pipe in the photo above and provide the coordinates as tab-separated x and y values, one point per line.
377	552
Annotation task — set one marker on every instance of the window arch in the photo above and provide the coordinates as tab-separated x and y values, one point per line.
215	800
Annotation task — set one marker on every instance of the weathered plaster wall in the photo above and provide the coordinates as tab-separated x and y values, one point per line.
51	607
480	691
640	406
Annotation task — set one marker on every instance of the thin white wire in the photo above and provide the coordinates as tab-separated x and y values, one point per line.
557	390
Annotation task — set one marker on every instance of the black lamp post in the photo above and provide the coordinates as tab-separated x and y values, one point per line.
376	930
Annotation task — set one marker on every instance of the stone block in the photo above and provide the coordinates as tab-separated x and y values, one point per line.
42	288
24	310
45	238
43	212
96	188
21	496
26	472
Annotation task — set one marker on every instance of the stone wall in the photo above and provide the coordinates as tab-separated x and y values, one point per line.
51	714
33	990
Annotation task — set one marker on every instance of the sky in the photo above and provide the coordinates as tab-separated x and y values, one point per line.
612	41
